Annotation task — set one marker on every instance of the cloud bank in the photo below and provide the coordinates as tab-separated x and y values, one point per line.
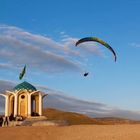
19	47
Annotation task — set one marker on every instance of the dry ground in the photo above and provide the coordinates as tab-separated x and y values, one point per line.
75	132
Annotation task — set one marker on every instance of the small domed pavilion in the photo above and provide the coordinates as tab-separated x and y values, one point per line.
24	100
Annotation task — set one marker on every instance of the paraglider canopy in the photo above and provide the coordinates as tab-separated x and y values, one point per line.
86	39
22	73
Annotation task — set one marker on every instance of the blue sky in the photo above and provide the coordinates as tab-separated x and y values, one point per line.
42	33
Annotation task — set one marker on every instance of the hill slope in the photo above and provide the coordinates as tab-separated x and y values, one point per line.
76	118
70	117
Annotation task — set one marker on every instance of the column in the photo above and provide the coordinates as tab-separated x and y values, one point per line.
6	105
15	106
29	105
40	104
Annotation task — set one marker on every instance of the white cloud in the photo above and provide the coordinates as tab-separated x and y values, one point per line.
6	85
135	45
18	47
6	66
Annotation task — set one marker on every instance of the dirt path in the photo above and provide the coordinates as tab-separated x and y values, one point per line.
79	132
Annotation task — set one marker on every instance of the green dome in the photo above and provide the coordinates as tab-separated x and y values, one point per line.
25	85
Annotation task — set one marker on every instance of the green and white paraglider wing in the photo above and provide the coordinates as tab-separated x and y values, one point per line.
86	39
22	73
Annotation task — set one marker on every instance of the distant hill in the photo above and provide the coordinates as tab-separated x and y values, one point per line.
71	117
77	119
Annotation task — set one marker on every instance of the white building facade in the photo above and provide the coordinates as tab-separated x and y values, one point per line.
25	100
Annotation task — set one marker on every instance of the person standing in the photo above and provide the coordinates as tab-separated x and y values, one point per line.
1	121
6	121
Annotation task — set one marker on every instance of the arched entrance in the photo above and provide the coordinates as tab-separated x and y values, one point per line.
22	104
11	104
22	108
2	105
6	103
35	105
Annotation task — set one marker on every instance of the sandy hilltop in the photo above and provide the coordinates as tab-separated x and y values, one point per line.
78	127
